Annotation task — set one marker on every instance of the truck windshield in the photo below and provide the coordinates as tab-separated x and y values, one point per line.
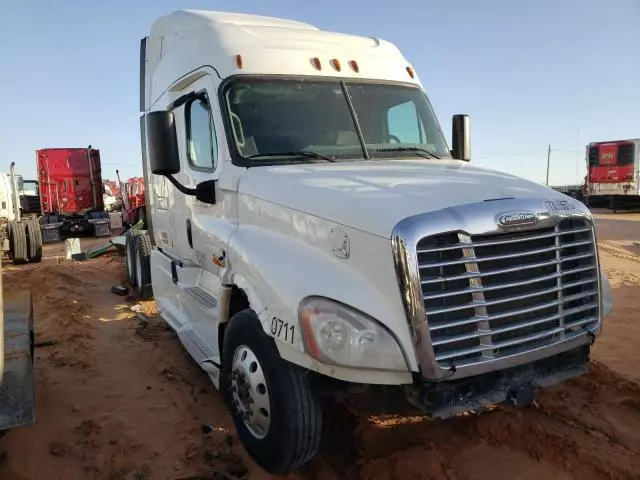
280	120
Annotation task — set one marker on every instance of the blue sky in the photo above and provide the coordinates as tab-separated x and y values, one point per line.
529	73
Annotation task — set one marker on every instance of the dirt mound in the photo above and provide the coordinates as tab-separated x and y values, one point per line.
586	428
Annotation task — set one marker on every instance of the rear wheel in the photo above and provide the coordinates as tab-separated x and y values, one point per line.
8	237
34	235
18	248
275	411
143	266
131	257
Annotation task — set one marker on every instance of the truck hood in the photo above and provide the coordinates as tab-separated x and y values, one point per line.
373	196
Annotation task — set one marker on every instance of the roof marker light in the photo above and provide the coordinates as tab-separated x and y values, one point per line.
354	66
335	63
315	61
239	61
410	72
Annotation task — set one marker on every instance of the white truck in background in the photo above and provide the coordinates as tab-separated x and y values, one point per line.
307	220
20	235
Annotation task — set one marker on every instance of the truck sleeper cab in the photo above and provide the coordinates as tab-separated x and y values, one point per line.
305	218
71	193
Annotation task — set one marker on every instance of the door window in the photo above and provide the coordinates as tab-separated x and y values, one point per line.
201	137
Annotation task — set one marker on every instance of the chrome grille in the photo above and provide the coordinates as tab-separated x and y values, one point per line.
490	296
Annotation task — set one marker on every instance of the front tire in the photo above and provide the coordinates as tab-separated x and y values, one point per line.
275	411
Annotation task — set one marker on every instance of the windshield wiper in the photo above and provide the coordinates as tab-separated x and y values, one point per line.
420	151
291	154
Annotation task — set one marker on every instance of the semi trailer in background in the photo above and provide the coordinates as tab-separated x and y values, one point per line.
308	228
613	171
574	191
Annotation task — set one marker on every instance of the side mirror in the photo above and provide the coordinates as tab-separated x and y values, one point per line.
164	157
461	137
206	191
163	143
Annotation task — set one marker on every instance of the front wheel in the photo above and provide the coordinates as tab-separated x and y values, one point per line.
275	411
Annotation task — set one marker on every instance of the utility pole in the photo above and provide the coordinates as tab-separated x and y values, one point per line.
548	160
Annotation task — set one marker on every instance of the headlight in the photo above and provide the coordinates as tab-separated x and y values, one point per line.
335	333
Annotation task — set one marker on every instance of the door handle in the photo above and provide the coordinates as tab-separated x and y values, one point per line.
189	235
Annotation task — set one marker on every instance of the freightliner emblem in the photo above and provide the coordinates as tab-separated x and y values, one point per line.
513	219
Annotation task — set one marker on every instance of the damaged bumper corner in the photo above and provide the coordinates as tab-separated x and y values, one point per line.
515	385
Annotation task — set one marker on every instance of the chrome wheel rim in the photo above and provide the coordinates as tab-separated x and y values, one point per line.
249	392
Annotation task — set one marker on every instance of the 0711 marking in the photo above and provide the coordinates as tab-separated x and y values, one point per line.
282	329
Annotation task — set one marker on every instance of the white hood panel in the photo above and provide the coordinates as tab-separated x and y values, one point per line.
373	196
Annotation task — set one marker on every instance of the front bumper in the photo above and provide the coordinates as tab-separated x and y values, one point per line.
515	385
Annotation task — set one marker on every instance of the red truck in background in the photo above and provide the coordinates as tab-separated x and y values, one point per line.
613	169
71	189
132	195
134	192
111	188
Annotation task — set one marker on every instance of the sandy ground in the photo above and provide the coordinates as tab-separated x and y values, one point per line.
120	400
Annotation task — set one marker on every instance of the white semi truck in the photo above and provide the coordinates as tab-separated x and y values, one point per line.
21	239
20	235
307	220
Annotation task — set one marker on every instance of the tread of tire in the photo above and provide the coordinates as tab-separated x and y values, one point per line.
131	247
34	241
143	245
18	242
305	431
306	437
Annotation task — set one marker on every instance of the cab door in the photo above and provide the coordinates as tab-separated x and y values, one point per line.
199	128
202	230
